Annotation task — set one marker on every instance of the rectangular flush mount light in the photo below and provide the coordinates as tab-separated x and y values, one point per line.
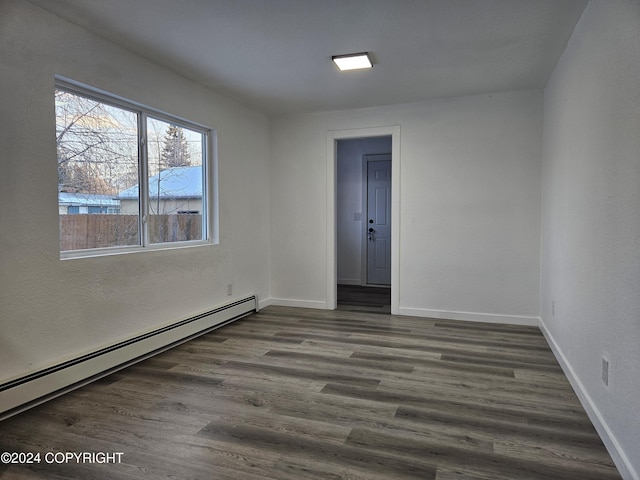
352	61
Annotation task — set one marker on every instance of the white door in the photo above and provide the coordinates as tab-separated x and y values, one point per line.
379	222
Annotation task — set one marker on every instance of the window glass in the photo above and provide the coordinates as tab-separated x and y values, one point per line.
97	150
175	182
105	147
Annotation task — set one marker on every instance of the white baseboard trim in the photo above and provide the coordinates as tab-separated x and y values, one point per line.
471	316
290	302
612	445
263	303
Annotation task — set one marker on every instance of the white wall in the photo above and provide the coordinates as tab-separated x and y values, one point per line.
349	182
591	219
469	204
53	310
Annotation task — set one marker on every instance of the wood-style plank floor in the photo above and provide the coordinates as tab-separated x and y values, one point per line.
309	394
358	298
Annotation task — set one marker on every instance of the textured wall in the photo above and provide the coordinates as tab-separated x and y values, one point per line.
469	204
591	215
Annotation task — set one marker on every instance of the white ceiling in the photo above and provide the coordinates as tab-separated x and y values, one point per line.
275	55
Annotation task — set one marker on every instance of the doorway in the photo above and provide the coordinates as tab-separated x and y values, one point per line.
363	221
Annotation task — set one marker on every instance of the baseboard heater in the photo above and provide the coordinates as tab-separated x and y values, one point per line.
26	392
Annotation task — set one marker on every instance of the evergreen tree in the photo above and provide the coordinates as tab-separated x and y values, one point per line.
175	152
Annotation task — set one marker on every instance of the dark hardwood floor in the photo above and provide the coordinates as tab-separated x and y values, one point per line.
368	299
309	394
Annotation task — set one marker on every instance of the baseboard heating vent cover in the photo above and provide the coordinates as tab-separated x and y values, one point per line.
30	390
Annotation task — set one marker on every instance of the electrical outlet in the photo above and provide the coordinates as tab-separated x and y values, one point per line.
357	217
229	290
605	371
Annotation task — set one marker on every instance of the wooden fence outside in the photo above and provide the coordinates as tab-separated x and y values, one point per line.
82	231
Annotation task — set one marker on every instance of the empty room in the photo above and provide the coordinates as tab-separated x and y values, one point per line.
295	239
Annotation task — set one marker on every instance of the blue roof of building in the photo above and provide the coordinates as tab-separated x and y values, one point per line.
177	182
87	199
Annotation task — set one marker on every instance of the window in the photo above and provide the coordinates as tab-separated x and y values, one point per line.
129	178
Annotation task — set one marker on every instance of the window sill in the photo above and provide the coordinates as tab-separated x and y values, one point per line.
110	251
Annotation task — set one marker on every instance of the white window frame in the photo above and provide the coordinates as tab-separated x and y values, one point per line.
209	174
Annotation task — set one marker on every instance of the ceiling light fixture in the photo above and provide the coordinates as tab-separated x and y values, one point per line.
352	61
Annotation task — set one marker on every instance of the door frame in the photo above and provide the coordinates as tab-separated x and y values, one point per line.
331	227
366	158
